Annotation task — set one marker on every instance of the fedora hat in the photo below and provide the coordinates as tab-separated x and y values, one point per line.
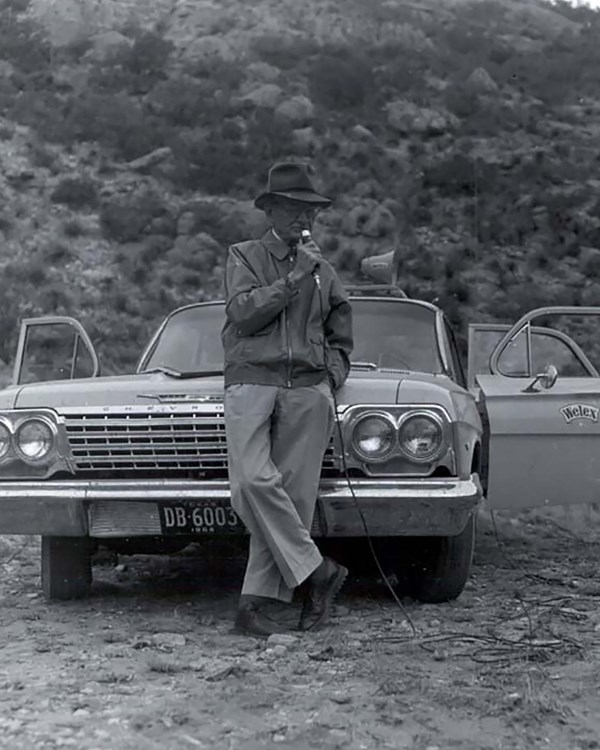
291	180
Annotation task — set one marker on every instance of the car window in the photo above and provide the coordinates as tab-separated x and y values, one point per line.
396	335
54	352
547	348
387	333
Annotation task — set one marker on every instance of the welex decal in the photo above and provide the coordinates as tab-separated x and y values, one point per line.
579	411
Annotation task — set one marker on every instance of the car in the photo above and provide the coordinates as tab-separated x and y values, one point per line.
138	462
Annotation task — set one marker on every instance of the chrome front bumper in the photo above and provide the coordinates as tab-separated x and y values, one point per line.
112	508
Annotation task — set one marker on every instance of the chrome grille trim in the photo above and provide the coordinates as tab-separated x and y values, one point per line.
149	439
146	439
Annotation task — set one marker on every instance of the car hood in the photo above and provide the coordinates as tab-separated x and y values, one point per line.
146	389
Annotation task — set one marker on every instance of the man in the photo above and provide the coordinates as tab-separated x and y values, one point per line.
287	340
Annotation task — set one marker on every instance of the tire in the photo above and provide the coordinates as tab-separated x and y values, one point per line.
66	567
441	566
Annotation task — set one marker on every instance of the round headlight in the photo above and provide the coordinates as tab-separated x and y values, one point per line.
421	437
34	439
4	440
373	437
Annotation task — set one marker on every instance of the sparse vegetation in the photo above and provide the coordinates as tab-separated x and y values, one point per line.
471	130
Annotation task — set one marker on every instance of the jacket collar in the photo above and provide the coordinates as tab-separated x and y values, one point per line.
276	247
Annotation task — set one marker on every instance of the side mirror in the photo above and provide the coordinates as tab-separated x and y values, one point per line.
546	380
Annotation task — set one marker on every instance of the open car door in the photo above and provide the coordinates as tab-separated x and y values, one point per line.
53	348
540	399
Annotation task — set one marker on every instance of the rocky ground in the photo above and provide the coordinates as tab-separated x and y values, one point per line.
149	661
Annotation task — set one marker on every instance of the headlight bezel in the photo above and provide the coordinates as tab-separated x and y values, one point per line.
437	420
7	425
396	414
384	417
18	450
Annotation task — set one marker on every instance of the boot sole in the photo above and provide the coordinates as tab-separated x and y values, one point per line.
340	577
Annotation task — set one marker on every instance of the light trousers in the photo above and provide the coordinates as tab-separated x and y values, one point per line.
276	439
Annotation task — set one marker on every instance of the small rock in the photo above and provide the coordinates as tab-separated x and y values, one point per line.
81	712
168	639
268	95
298	110
279	650
362	133
146	162
105	44
281	639
341	697
120	568
481	82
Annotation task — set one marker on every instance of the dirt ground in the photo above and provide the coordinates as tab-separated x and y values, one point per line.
149	661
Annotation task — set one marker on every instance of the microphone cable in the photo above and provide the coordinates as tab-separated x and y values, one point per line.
317	279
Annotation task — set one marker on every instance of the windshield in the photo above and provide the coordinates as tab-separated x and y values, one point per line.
387	333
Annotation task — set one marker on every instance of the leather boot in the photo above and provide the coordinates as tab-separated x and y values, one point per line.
323	586
251	621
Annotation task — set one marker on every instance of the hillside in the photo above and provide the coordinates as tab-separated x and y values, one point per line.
133	136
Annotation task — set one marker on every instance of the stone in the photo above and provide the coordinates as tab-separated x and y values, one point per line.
267	95
105	44
282	639
168	640
481	82
152	159
299	110
362	133
406	117
305	140
212	46
262	72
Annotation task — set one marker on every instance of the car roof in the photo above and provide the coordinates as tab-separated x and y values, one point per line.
354	298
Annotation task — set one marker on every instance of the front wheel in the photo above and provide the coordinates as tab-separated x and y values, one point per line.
441	567
66	567
431	569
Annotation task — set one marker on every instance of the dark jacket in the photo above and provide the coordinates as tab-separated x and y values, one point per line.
273	334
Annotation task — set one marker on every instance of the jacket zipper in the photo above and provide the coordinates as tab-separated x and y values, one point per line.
289	350
287	334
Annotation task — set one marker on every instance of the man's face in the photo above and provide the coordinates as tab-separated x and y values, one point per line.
289	217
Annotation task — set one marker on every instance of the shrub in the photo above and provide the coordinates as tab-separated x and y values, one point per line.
76	192
284	53
134	68
343	82
117	122
55	253
124	218
73	228
22	42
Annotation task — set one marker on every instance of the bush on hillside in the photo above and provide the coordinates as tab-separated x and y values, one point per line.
76	192
341	82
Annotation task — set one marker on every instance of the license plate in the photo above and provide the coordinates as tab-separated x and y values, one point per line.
199	518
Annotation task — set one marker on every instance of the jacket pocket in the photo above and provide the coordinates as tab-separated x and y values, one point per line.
315	352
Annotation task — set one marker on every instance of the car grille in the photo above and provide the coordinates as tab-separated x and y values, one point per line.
152	442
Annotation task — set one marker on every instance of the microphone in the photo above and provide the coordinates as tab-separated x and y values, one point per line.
305	234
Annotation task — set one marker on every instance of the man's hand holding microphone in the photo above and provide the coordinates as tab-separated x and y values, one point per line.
308	259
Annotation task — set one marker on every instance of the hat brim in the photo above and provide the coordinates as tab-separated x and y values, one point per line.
303	196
